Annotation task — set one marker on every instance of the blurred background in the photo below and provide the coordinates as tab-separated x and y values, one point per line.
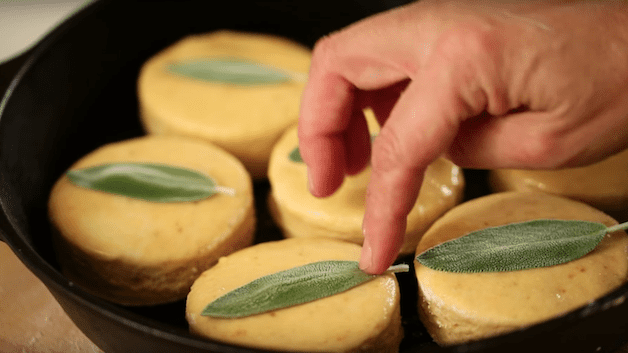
24	22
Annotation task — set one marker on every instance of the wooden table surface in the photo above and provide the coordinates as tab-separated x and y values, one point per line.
31	320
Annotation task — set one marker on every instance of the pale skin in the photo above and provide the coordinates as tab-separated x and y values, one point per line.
487	84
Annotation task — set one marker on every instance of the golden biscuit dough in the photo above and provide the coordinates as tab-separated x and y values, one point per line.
340	215
365	318
461	307
603	185
245	120
136	252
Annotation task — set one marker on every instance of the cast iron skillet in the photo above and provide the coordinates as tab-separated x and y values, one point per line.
76	91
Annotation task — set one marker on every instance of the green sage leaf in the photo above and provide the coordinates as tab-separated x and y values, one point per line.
295	155
516	246
146	181
291	287
230	70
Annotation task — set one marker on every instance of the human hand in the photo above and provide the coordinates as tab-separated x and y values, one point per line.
488	84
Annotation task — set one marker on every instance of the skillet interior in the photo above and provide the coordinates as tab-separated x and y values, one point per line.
76	92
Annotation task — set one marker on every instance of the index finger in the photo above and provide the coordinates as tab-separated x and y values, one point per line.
346	66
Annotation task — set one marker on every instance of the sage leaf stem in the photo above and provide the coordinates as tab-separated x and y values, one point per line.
622	226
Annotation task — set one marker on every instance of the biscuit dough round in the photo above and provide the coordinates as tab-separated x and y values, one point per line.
365	318
136	252
461	307
603	185
245	120
340	215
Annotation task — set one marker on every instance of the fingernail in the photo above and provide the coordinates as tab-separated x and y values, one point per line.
366	259
310	184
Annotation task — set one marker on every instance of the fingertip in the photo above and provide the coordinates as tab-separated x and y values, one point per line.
322	186
382	242
391	195
325	166
311	186
366	257
376	262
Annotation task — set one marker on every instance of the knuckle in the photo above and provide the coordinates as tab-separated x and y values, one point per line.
473	54
468	42
541	151
324	51
387	153
396	151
